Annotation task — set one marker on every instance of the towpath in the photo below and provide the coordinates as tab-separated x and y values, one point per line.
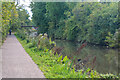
16	63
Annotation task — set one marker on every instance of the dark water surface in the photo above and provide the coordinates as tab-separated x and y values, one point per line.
106	59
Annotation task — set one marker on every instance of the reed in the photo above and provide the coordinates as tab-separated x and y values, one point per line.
93	62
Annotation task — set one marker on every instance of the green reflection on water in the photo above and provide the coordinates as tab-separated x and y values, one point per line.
106	59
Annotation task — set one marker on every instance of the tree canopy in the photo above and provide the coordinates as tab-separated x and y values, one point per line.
12	17
90	22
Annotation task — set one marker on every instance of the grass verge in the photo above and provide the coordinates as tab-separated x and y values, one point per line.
50	65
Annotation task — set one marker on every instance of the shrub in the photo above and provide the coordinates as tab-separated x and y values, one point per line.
54	66
29	45
44	42
113	40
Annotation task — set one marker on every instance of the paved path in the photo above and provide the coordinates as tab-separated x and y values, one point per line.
16	63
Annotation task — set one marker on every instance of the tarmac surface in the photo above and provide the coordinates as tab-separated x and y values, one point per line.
16	63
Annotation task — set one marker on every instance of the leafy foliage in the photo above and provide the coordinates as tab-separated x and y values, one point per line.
88	22
59	59
53	67
12	18
102	21
44	42
39	16
113	40
7	9
41	41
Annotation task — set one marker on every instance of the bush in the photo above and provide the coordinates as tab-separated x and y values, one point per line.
52	65
29	45
44	42
113	40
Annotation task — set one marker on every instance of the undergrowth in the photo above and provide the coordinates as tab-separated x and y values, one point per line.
53	67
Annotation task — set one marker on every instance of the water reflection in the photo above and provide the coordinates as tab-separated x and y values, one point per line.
106	59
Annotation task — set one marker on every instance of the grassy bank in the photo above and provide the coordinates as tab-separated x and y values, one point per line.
53	67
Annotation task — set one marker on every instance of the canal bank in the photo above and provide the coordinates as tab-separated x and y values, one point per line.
106	58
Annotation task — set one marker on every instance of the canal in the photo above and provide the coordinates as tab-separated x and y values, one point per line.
106	59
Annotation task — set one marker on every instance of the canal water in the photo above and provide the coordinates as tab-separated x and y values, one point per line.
106	59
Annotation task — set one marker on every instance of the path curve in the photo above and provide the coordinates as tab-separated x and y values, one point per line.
16	63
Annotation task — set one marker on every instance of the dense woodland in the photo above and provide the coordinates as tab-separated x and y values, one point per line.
95	23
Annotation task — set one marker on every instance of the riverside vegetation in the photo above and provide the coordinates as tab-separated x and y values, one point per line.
91	22
53	65
84	22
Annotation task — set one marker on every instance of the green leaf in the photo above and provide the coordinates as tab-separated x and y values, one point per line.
59	59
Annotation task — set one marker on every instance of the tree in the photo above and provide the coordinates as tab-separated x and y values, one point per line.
55	14
12	17
7	8
75	25
102	20
23	16
81	22
39	17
